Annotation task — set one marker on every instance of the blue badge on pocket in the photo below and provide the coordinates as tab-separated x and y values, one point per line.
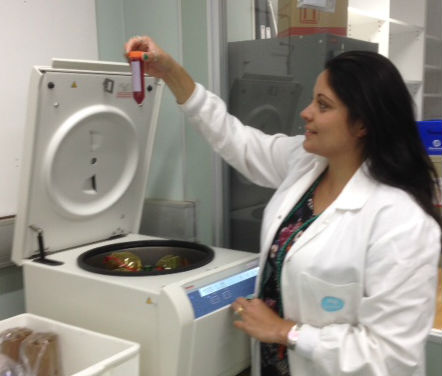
331	304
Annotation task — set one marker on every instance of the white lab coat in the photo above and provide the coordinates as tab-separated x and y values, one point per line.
361	279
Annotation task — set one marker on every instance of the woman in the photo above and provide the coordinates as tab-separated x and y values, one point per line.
350	240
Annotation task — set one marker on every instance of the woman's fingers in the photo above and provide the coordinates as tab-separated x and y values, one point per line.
137	44
256	319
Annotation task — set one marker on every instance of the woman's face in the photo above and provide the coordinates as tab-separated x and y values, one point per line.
327	130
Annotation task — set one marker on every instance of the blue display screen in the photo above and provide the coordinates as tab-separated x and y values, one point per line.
216	295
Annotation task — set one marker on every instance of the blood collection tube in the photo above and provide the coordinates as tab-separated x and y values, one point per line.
137	67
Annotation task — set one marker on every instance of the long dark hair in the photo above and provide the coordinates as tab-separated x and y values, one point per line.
375	93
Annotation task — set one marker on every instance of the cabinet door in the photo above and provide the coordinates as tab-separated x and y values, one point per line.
432	98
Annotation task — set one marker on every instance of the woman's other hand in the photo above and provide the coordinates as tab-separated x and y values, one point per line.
259	321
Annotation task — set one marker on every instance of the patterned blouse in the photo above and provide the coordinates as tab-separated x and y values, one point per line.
274	356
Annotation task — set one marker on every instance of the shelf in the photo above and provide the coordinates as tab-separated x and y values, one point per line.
413	82
363	17
397	26
433	38
434	68
375	7
434	96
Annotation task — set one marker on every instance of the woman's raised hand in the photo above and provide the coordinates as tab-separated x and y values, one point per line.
160	64
157	63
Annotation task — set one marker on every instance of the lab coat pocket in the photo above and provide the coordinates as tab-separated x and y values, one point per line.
324	302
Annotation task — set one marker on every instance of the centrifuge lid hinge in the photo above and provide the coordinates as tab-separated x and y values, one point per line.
41	248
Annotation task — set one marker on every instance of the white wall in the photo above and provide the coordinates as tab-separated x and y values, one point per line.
33	32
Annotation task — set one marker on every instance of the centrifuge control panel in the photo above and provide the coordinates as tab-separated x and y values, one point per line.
209	295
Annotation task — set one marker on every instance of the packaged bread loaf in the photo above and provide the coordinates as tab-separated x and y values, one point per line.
40	354
11	340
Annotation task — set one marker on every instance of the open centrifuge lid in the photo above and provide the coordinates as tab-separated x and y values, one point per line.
86	156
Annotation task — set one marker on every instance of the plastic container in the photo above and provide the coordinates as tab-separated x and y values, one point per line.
431	135
84	352
433	353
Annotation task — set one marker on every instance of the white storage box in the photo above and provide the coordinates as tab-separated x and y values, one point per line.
84	352
434	351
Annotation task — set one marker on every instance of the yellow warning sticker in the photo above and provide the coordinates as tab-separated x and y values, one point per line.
74	85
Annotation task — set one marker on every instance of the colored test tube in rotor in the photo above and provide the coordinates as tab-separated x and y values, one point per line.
136	59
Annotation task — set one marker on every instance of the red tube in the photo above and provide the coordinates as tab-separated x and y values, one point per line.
137	68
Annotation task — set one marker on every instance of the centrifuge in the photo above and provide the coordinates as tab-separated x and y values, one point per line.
86	159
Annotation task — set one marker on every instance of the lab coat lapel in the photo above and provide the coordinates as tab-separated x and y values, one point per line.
354	195
292	196
314	229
